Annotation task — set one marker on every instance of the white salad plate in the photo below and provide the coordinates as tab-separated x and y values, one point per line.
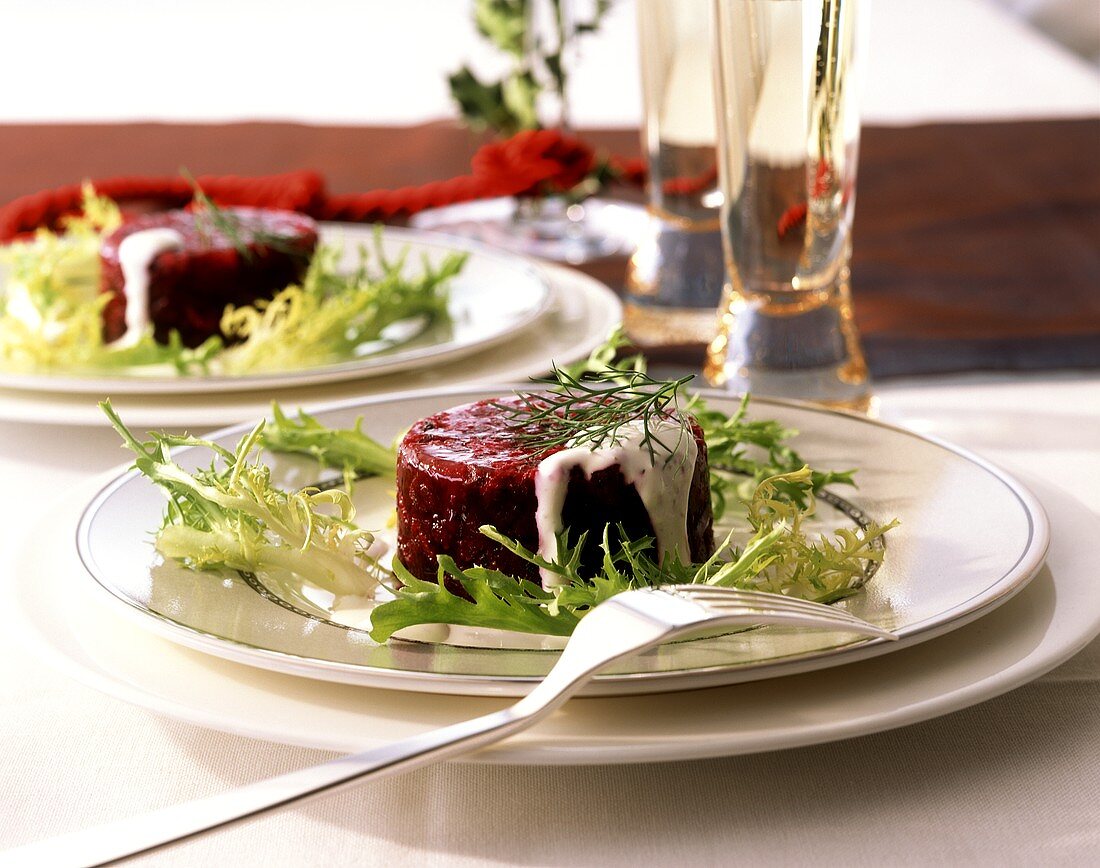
496	294
971	537
581	313
65	620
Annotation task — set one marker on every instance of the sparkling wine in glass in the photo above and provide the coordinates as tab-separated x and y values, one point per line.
788	130
676	276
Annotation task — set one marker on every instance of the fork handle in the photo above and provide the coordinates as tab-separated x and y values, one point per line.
128	837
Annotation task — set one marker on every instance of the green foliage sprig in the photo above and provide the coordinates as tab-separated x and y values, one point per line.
510	104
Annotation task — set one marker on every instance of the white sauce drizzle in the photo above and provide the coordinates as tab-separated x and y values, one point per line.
664	487
135	255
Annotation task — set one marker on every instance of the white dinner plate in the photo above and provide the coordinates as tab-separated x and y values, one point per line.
971	536
496	294
581	314
66	621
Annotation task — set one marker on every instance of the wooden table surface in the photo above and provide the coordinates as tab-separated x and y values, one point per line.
977	246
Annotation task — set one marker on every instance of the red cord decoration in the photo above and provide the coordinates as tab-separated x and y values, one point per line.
530	163
691	186
790	219
796	215
533	162
293	191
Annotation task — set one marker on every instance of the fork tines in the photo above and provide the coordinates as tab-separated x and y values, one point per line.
721	600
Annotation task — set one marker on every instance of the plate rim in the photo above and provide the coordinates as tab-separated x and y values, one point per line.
1012	582
335	372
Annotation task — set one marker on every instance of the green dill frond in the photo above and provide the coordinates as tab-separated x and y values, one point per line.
592	409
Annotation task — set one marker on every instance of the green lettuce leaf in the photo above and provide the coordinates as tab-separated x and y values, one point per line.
346	449
51	308
496	601
779	558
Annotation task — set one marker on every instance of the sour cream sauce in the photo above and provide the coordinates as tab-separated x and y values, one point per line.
663	485
135	256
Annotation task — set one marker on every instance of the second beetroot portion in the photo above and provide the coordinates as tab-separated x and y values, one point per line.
467	467
190	288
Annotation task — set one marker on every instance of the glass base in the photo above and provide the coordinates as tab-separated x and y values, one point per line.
792	345
823	386
550	228
649	326
674	283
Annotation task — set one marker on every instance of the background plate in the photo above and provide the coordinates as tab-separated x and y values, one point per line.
496	294
65	620
582	312
971	537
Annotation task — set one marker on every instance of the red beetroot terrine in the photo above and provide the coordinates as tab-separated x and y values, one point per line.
189	288
468	466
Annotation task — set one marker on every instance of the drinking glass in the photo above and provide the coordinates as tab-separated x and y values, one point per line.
788	133
675	278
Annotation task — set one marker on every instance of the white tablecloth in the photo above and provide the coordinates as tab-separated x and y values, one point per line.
1012	781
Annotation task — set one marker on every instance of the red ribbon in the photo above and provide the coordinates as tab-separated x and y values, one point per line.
530	163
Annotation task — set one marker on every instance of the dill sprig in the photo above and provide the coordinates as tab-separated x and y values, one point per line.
591	409
209	216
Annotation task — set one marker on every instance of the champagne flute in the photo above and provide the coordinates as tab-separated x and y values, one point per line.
788	131
675	277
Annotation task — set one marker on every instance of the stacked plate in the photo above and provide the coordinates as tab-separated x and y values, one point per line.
509	316
242	654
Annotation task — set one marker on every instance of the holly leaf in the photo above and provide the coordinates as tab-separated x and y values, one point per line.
504	23
520	93
482	105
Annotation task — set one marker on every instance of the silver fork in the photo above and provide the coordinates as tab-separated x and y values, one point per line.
623	625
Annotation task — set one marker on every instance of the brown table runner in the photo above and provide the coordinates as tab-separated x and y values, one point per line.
977	246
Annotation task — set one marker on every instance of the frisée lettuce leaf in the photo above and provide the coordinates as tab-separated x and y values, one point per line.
332	312
230	515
